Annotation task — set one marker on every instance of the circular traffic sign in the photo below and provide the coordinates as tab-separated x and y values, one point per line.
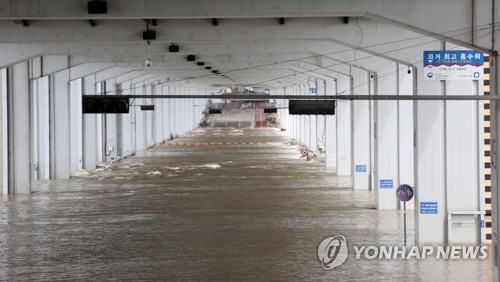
404	193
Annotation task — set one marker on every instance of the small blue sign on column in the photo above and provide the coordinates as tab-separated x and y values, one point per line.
386	183
360	168
428	207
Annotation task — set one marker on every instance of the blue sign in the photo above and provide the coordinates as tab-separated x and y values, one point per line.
428	207
360	168
453	57
313	90
453	65
386	183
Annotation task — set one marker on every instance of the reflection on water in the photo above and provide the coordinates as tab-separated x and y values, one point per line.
206	212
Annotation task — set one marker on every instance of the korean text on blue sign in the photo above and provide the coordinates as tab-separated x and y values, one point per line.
386	183
453	65
428	207
360	168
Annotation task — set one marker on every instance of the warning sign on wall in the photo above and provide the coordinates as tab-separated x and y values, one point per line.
453	65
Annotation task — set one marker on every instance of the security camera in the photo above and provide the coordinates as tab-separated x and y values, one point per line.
148	62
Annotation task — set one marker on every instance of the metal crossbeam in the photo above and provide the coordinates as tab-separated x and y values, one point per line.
326	97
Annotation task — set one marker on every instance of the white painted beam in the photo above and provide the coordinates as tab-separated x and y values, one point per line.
406	13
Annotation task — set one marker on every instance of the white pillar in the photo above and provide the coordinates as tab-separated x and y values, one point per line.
166	110
76	126
60	126
405	132
140	134
126	136
344	130
159	119
385	138
429	125
361	131
149	124
90	129
4	138
42	104
19	162
174	104
166	113
330	136
111	128
462	167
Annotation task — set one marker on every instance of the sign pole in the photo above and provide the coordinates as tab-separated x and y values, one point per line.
404	220
404	194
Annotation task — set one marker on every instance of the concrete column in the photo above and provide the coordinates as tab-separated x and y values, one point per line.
447	158
405	132
344	130
4	138
181	121
174	103
385	138
111	128
60	126
126	137
295	118
90	129
159	119
284	117
140	134
19	159
186	114
290	122
361	131
167	127
76	126
149	125
463	171
306	137
330	136
320	135
42	105
191	111
429	125
303	127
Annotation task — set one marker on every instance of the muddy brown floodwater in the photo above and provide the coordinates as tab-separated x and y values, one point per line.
217	204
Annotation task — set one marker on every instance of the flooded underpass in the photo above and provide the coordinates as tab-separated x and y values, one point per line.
216	204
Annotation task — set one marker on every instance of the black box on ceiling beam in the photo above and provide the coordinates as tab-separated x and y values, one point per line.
173	48
311	107
214	111
97	7
147	107
149	35
270	110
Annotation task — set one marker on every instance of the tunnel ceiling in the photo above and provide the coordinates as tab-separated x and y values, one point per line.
251	43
